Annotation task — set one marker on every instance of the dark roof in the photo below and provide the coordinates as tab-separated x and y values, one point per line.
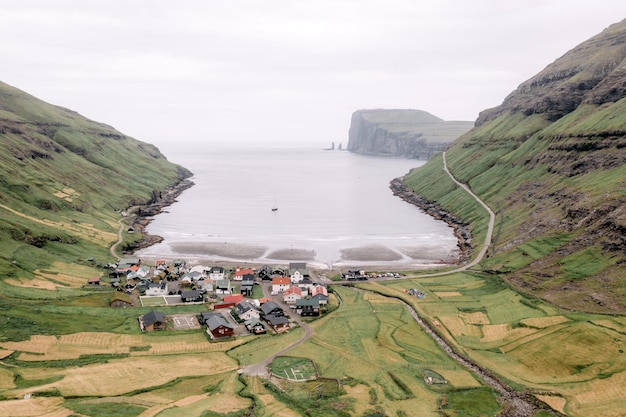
313	302
216	321
153	317
206	315
276	320
269	307
191	294
244	306
320	296
217	270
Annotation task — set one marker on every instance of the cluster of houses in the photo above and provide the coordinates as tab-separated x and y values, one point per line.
230	294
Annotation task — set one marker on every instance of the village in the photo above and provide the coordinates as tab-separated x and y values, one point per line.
239	301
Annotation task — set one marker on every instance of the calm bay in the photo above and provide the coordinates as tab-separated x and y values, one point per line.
332	209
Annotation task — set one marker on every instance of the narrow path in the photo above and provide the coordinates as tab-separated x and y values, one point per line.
261	368
120	230
128	214
490	226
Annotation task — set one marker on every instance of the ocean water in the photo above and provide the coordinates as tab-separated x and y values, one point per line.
334	208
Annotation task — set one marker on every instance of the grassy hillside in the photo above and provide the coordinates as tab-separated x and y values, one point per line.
63	181
551	161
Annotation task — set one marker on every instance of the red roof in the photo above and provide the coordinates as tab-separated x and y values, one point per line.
281	281
96	279
319	289
292	290
237	298
242	272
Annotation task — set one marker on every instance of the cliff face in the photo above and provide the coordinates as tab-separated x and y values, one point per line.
409	133
551	160
591	73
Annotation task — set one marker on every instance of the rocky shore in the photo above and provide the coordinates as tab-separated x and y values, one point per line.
462	230
142	215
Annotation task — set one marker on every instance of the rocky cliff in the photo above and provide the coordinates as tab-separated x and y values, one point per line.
409	133
551	161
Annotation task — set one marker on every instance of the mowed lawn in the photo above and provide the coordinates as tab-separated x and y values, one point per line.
576	360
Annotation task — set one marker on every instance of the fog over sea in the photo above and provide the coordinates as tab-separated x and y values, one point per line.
333	209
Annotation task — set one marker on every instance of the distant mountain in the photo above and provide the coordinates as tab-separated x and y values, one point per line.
402	132
64	180
551	161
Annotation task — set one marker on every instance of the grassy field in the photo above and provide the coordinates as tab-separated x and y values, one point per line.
370	356
575	360
296	369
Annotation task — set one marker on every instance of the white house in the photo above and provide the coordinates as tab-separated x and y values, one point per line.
291	295
280	284
216	273
296	276
246	311
156	289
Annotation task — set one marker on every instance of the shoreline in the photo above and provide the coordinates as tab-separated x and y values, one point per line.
462	230
237	254
144	213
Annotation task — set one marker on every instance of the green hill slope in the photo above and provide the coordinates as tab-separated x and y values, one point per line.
551	161
63	181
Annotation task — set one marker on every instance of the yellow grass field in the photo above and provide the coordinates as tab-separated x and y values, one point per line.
448	294
503	332
58	275
66	194
6	379
361	394
34	407
72	346
457	327
5	353
557	403
543	322
272	406
194	403
84	230
459	378
617	323
117	377
602	390
475	318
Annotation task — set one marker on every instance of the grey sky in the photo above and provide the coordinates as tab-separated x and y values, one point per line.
281	70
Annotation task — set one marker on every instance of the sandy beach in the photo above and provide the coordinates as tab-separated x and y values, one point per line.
371	257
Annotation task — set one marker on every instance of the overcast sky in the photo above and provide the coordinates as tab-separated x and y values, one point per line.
194	71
